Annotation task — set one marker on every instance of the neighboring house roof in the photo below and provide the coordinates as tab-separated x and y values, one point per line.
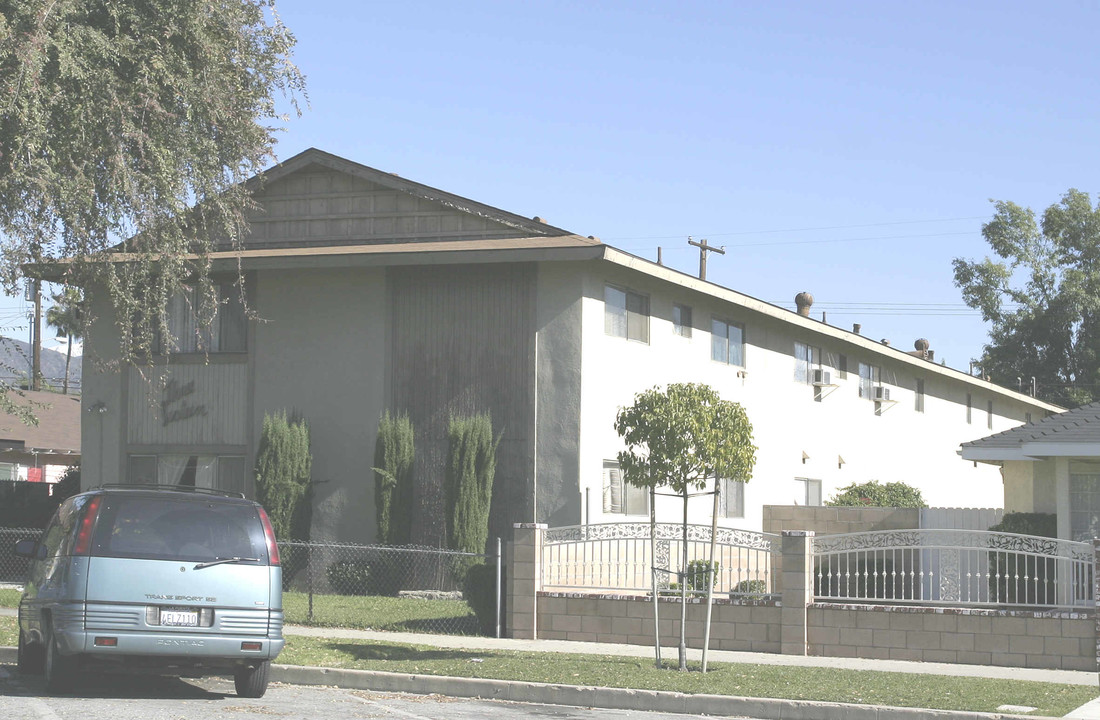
58	428
1073	433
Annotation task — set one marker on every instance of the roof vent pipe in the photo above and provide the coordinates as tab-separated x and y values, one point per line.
856	327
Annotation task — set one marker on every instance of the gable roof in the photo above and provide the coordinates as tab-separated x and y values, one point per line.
1073	433
319	199
58	429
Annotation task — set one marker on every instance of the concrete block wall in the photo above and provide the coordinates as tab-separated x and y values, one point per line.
798	625
837	520
750	626
1013	638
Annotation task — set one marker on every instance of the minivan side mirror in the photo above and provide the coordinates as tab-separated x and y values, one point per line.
26	549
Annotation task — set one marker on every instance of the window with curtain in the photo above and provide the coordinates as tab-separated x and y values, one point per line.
626	314
727	342
227	333
619	497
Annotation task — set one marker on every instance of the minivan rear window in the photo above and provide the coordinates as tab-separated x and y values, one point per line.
163	528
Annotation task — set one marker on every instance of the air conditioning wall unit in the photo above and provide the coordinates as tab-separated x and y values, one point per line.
822	377
880	393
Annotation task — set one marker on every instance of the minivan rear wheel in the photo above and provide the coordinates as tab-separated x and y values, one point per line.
30	660
60	669
251	680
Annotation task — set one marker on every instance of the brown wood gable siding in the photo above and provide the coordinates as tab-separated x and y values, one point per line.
462	342
335	208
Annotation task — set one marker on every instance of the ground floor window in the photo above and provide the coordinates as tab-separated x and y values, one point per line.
221	472
731	500
620	497
809	492
1084	503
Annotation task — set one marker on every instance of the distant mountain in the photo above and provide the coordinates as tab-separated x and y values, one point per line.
15	364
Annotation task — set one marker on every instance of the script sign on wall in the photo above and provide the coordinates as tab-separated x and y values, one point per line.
177	403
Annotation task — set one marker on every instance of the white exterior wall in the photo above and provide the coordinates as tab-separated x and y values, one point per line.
899	444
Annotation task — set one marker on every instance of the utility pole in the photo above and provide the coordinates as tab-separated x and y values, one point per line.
36	369
703	250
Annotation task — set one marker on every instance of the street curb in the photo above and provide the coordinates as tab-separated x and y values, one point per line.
601	697
612	698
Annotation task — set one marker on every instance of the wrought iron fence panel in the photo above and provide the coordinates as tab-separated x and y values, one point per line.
953	567
13	569
382	587
623	557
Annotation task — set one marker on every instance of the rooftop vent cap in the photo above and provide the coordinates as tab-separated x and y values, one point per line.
804	301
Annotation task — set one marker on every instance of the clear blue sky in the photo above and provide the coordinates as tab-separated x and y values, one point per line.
755	125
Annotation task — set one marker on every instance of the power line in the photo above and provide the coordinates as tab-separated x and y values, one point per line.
808	229
823	242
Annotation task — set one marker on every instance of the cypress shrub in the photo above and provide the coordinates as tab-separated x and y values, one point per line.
283	472
468	483
480	592
393	492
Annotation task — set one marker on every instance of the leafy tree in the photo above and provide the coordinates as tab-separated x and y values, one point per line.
875	494
1041	296
394	452
283	473
468	481
67	317
679	439
128	126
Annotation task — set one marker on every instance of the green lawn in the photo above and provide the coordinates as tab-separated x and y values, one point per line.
768	681
791	683
9	598
9	635
374	612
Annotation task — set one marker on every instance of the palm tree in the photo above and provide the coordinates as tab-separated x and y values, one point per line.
67	316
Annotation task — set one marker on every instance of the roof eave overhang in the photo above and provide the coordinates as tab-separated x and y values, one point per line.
667	274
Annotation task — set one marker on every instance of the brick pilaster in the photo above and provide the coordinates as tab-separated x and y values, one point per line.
524	563
798	590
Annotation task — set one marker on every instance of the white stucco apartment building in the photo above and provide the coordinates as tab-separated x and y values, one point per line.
380	293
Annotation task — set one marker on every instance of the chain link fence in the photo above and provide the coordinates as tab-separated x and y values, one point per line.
381	587
13	569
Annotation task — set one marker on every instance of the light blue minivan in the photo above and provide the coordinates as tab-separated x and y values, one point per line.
175	579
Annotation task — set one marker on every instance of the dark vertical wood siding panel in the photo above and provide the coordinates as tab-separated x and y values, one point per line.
461	344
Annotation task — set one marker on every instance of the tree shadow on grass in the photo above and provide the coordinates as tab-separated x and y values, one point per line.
385	651
467	625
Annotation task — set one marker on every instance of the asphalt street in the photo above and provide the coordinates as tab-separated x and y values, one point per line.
124	697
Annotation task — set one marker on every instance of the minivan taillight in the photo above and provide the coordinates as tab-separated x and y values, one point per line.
84	535
269	534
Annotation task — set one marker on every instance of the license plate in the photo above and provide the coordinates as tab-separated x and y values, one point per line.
179	617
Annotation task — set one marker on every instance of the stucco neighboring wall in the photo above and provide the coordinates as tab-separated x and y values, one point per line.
320	351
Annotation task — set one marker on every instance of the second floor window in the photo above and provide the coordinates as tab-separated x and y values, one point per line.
807	358
727	342
227	333
681	320
626	314
870	377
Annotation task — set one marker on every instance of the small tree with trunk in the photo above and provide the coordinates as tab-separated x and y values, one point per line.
679	438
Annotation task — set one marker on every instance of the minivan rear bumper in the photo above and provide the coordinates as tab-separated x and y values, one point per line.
188	648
